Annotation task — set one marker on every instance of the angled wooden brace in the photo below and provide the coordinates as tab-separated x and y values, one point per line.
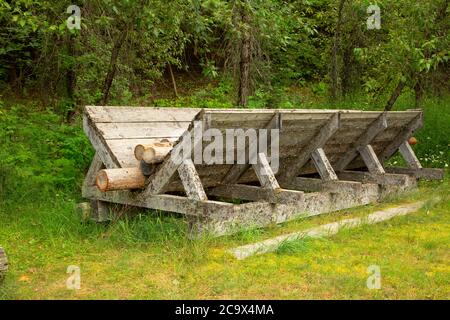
375	128
191	181
371	160
159	180
237	170
293	168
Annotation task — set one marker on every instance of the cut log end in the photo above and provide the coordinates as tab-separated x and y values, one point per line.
3	263
153	153
120	179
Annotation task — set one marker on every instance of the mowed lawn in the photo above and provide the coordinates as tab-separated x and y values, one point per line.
150	257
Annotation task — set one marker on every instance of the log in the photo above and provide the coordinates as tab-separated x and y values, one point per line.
3	263
120	179
153	153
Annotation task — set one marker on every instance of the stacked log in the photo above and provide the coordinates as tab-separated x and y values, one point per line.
120	179
3	263
153	153
133	178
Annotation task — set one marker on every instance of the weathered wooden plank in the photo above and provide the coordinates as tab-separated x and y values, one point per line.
105	114
410	157
163	202
323	165
422	173
239	169
142	130
99	144
334	186
95	167
265	174
366	177
290	169
253	193
100	211
401	137
371	160
377	126
191	181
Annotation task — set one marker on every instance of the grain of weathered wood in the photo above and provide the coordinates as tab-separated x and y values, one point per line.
100	211
95	167
239	169
410	157
377	126
102	114
335	186
371	160
366	177
290	169
191	181
253	193
164	173
139	130
323	165
163	202
99	144
264	173
423	173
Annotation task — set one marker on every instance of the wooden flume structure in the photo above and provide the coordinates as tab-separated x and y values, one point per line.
328	160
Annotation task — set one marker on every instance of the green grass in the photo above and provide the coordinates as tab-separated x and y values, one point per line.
149	256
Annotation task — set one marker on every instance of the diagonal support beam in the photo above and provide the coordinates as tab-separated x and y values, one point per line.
403	136
237	170
253	193
323	165
191	181
180	152
99	144
293	168
265	174
410	157
371	160
375	128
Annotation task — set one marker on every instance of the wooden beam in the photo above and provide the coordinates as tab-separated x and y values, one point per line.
191	181
423	173
253	193
99	144
403	136
323	165
375	128
371	160
381	179
265	174
334	186
237	170
91	176
164	202
159	180
410	157
293	168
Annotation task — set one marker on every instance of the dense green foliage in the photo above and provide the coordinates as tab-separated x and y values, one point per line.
133	43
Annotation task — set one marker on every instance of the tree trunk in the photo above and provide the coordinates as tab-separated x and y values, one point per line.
245	60
71	77
112	67
3	263
418	90
174	83
394	96
334	62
